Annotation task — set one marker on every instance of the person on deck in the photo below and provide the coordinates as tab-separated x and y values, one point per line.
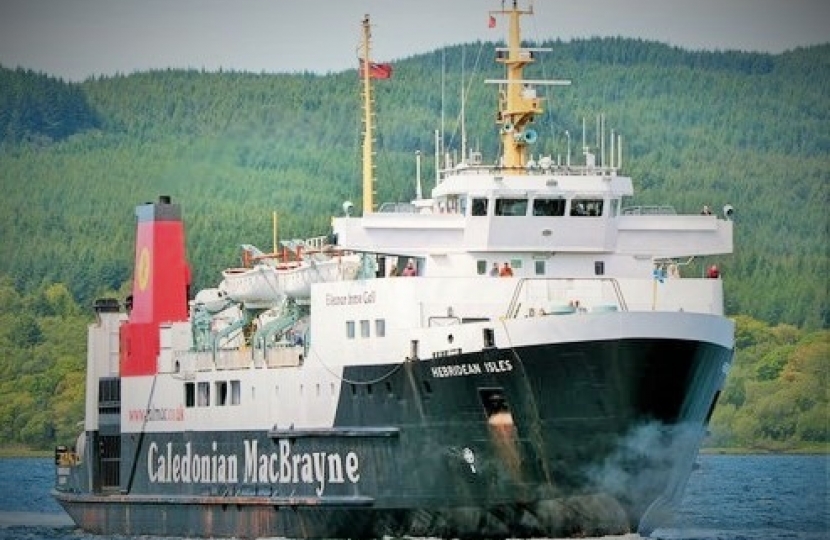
506	271
410	269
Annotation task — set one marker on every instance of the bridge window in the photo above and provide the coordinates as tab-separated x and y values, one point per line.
479	207
452	204
380	327
511	207
549	207
364	328
236	393
350	329
586	207
540	268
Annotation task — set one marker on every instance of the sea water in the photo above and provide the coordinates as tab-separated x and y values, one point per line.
755	497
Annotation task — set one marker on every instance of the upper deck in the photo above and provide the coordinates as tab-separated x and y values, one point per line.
480	209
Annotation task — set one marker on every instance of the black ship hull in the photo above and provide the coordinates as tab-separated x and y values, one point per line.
583	438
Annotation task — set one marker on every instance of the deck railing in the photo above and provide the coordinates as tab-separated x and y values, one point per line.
557	296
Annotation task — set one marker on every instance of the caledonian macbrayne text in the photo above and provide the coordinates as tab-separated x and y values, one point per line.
168	464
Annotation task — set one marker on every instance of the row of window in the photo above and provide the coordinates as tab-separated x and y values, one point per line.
547	207
230	392
365	328
539	267
224	393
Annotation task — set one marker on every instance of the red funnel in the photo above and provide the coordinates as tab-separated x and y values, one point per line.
160	285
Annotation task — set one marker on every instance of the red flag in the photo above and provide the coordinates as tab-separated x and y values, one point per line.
377	71
492	23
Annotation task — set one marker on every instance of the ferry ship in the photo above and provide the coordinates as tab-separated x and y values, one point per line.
518	355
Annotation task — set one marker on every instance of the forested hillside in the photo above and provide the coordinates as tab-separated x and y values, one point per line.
776	393
36	108
698	128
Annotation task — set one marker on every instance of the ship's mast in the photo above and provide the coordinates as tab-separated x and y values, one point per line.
519	104
368	128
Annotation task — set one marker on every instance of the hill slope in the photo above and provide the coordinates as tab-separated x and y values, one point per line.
698	128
